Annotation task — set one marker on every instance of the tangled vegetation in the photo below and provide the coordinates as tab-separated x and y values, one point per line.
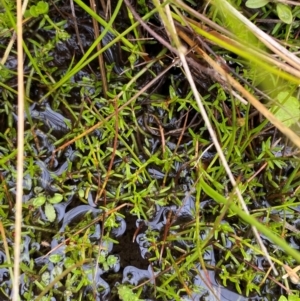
126	194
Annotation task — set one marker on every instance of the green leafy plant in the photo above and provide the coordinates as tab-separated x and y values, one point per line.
126	293
256	3
284	11
48	201
107	261
41	8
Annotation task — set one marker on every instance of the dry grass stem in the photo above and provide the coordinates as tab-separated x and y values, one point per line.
20	158
282	52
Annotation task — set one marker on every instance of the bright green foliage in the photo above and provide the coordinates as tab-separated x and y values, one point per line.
256	3
126	294
289	111
45	278
55	258
50	212
41	199
57	198
41	8
284	13
107	262
111	260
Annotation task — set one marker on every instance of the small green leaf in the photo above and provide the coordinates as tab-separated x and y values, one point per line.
39	201
112	260
34	11
40	9
256	3
43	7
37	189
172	92
132	59
42	23
81	193
55	258
282	298
45	278
126	293
284	13
63	35
68	262
289	111
57	270
57	198
50	212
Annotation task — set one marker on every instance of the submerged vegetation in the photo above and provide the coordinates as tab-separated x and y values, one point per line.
126	195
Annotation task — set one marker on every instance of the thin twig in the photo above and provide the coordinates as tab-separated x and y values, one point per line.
6	248
20	159
13	38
